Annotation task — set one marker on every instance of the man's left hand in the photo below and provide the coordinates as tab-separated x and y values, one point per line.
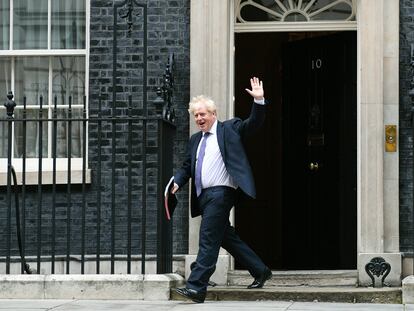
174	188
257	88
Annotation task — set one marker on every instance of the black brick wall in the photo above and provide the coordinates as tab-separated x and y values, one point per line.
405	135
168	32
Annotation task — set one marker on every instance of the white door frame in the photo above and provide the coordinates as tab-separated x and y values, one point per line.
377	25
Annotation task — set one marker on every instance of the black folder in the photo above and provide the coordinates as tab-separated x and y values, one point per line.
170	200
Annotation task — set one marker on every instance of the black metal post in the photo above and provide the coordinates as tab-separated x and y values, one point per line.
39	187
144	146
166	129
164	227
98	192
83	185
113	189
114	85
10	104
54	148
129	248
23	236
114	76
69	194
144	196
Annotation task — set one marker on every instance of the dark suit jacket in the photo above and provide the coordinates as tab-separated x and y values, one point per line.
230	136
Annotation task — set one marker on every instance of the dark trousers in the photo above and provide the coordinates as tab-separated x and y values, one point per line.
215	231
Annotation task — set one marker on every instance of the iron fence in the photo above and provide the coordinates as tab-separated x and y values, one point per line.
115	215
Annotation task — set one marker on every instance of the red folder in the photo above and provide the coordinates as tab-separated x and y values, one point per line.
170	200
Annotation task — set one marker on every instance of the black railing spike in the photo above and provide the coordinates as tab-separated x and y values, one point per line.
10	104
128	14
165	91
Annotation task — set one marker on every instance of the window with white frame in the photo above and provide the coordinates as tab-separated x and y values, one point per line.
43	53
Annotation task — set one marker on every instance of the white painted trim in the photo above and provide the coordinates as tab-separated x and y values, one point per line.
230	100
230	64
49	24
87	56
47	177
11	25
52	52
359	138
47	164
295	26
49	109
37	107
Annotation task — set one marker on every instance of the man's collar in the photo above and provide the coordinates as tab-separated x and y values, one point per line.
213	129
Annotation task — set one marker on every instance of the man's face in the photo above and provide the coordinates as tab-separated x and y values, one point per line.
203	118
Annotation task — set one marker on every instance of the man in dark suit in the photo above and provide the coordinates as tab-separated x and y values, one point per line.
217	164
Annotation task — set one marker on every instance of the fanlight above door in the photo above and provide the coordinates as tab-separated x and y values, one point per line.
294	10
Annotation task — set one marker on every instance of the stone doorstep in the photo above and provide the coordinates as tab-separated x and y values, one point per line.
89	286
299	278
304	293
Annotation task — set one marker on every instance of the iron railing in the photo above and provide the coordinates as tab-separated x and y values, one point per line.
118	216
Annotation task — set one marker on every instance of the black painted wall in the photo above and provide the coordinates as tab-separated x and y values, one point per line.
405	135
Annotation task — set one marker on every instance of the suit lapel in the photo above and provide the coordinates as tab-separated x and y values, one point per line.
220	139
194	152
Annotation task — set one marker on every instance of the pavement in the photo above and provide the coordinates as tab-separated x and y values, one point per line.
140	305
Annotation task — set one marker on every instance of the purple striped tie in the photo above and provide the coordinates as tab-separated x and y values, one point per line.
199	165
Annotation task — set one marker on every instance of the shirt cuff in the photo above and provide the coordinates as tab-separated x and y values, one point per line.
259	101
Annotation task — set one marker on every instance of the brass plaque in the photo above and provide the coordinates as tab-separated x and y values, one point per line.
390	138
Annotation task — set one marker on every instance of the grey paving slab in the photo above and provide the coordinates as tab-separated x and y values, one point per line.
172	306
236	306
241	304
324	306
124	305
29	304
139	305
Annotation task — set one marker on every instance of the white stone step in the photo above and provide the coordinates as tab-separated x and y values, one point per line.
303	293
316	278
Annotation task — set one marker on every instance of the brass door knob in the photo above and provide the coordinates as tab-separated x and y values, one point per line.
314	166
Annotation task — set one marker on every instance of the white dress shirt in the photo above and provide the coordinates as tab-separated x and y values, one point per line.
214	172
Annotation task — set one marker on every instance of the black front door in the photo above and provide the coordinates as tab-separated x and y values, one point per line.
319	152
304	159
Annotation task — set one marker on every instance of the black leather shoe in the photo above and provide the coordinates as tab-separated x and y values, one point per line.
191	294
261	280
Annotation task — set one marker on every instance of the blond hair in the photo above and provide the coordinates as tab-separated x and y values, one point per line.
202	100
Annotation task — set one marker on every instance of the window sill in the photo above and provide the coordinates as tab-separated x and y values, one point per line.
47	177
